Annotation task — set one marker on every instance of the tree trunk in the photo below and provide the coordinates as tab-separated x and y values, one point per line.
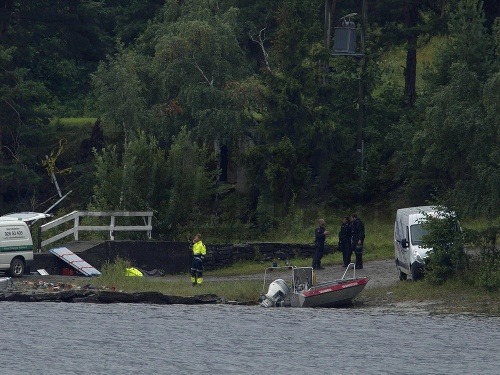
361	89
410	71
6	8
329	10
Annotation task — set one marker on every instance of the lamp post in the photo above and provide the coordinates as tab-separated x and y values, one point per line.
345	45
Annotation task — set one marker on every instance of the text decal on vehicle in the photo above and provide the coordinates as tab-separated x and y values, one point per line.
12	233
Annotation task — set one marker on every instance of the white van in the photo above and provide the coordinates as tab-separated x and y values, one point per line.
16	243
408	232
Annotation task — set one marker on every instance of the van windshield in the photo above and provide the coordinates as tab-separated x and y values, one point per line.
417	232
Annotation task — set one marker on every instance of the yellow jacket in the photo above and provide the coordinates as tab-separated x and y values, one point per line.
199	249
132	271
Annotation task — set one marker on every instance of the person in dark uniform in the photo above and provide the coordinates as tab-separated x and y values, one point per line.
345	235
319	242
358	237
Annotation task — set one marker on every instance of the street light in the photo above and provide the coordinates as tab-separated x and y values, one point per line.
344	44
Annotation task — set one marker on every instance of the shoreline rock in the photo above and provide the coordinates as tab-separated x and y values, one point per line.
107	297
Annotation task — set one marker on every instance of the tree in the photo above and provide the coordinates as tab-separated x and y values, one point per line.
120	92
455	141
468	42
129	18
198	64
188	185
135	180
59	43
447	257
22	113
410	23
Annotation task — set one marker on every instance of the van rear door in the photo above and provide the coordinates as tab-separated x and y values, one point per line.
25	216
401	232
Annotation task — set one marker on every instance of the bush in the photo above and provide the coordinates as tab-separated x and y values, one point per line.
114	273
447	258
487	272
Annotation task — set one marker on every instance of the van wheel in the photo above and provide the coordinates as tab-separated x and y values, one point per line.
16	267
416	274
402	276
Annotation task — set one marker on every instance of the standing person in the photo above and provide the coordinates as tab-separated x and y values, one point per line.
319	242
199	252
358	237
345	246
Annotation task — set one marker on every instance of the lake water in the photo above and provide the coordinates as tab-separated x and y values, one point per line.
64	338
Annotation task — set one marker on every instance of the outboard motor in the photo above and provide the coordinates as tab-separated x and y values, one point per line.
277	291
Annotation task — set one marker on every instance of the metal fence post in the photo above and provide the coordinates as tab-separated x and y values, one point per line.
111	228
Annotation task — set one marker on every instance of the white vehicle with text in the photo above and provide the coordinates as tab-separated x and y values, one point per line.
16	243
408	233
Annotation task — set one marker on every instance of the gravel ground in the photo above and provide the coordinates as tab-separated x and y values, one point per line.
382	273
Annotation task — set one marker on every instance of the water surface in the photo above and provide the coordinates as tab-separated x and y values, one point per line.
65	338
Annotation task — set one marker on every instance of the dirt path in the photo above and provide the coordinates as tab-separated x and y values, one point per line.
382	273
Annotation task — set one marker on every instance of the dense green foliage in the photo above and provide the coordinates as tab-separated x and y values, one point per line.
462	253
448	257
232	116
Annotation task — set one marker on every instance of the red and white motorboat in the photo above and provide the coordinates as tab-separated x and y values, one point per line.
303	291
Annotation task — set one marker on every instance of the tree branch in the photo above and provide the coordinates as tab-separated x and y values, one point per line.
260	41
210	82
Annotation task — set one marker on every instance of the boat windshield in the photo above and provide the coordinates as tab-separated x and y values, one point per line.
417	233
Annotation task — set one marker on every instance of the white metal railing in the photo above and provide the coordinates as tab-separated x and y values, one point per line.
112	227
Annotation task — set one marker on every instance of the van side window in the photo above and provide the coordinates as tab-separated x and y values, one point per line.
407	234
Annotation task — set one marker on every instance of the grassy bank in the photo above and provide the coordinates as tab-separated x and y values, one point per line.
113	277
453	297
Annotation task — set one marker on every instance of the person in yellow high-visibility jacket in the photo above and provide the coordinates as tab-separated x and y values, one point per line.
199	252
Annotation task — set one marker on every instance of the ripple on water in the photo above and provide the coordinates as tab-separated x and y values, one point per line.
54	338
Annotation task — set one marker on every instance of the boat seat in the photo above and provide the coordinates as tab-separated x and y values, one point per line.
302	278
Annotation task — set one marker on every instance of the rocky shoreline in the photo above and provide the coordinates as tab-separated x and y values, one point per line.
107	296
378	293
57	288
63	289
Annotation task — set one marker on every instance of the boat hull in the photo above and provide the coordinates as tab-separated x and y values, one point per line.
333	294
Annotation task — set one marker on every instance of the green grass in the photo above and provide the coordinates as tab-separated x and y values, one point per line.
299	228
394	61
73	122
454	296
113	276
243	290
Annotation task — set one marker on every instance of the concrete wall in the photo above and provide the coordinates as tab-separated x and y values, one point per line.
174	257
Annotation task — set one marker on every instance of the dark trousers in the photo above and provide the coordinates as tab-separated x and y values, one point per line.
197	268
358	251
346	249
318	254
